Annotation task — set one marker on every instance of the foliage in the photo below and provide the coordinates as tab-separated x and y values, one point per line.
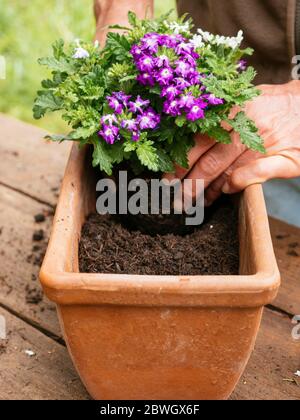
86	82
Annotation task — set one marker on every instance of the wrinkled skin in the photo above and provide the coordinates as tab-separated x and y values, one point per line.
232	168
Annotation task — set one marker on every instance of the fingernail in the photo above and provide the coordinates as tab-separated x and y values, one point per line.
226	189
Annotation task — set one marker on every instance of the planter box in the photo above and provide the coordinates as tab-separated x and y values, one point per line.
156	337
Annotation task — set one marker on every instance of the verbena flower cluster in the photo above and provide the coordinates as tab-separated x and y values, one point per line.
149	91
133	115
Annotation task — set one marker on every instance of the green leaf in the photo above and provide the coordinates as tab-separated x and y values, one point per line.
58	49
61	66
220	135
102	157
248	132
165	163
130	146
147	155
46	101
179	151
83	132
58	137
180	121
132	19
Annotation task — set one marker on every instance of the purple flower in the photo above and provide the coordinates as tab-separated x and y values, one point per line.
138	105
187	101
171	41
150	42
122	97
194	78
183	68
170	92
145	63
114	104
190	60
196	112
109	133
184	48
242	66
136	136
109	119
213	100
162	61
148	120
130	125
181	83
164	76
145	79
172	108
136	52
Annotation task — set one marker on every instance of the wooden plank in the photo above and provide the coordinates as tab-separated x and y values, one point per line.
270	373
286	241
47	374
29	163
19	264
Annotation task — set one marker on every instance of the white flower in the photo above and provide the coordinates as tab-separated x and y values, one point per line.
177	28
207	36
220	40
229	42
197	41
81	53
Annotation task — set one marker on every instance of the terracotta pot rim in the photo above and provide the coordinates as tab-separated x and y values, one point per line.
65	285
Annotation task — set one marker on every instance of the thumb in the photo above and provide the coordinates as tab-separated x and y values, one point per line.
258	172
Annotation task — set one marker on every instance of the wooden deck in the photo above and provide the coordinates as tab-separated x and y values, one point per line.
34	363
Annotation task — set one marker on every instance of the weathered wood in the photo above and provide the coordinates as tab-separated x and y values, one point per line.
29	163
270	372
286	241
46	375
19	283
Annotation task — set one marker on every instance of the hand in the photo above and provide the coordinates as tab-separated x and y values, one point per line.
232	168
112	12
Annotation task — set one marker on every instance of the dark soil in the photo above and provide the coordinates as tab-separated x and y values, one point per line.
212	249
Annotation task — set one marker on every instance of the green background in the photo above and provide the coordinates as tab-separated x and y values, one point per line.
27	30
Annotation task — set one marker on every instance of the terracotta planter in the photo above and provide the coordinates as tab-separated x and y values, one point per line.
143	337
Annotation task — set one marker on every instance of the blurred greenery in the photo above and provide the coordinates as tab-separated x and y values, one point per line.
27	30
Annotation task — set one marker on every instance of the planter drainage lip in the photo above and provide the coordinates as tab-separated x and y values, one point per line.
66	286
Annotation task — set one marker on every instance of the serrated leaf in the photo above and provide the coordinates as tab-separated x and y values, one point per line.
132	19
165	163
61	66
147	155
46	101
130	147
220	135
179	152
83	132
102	157
248	132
